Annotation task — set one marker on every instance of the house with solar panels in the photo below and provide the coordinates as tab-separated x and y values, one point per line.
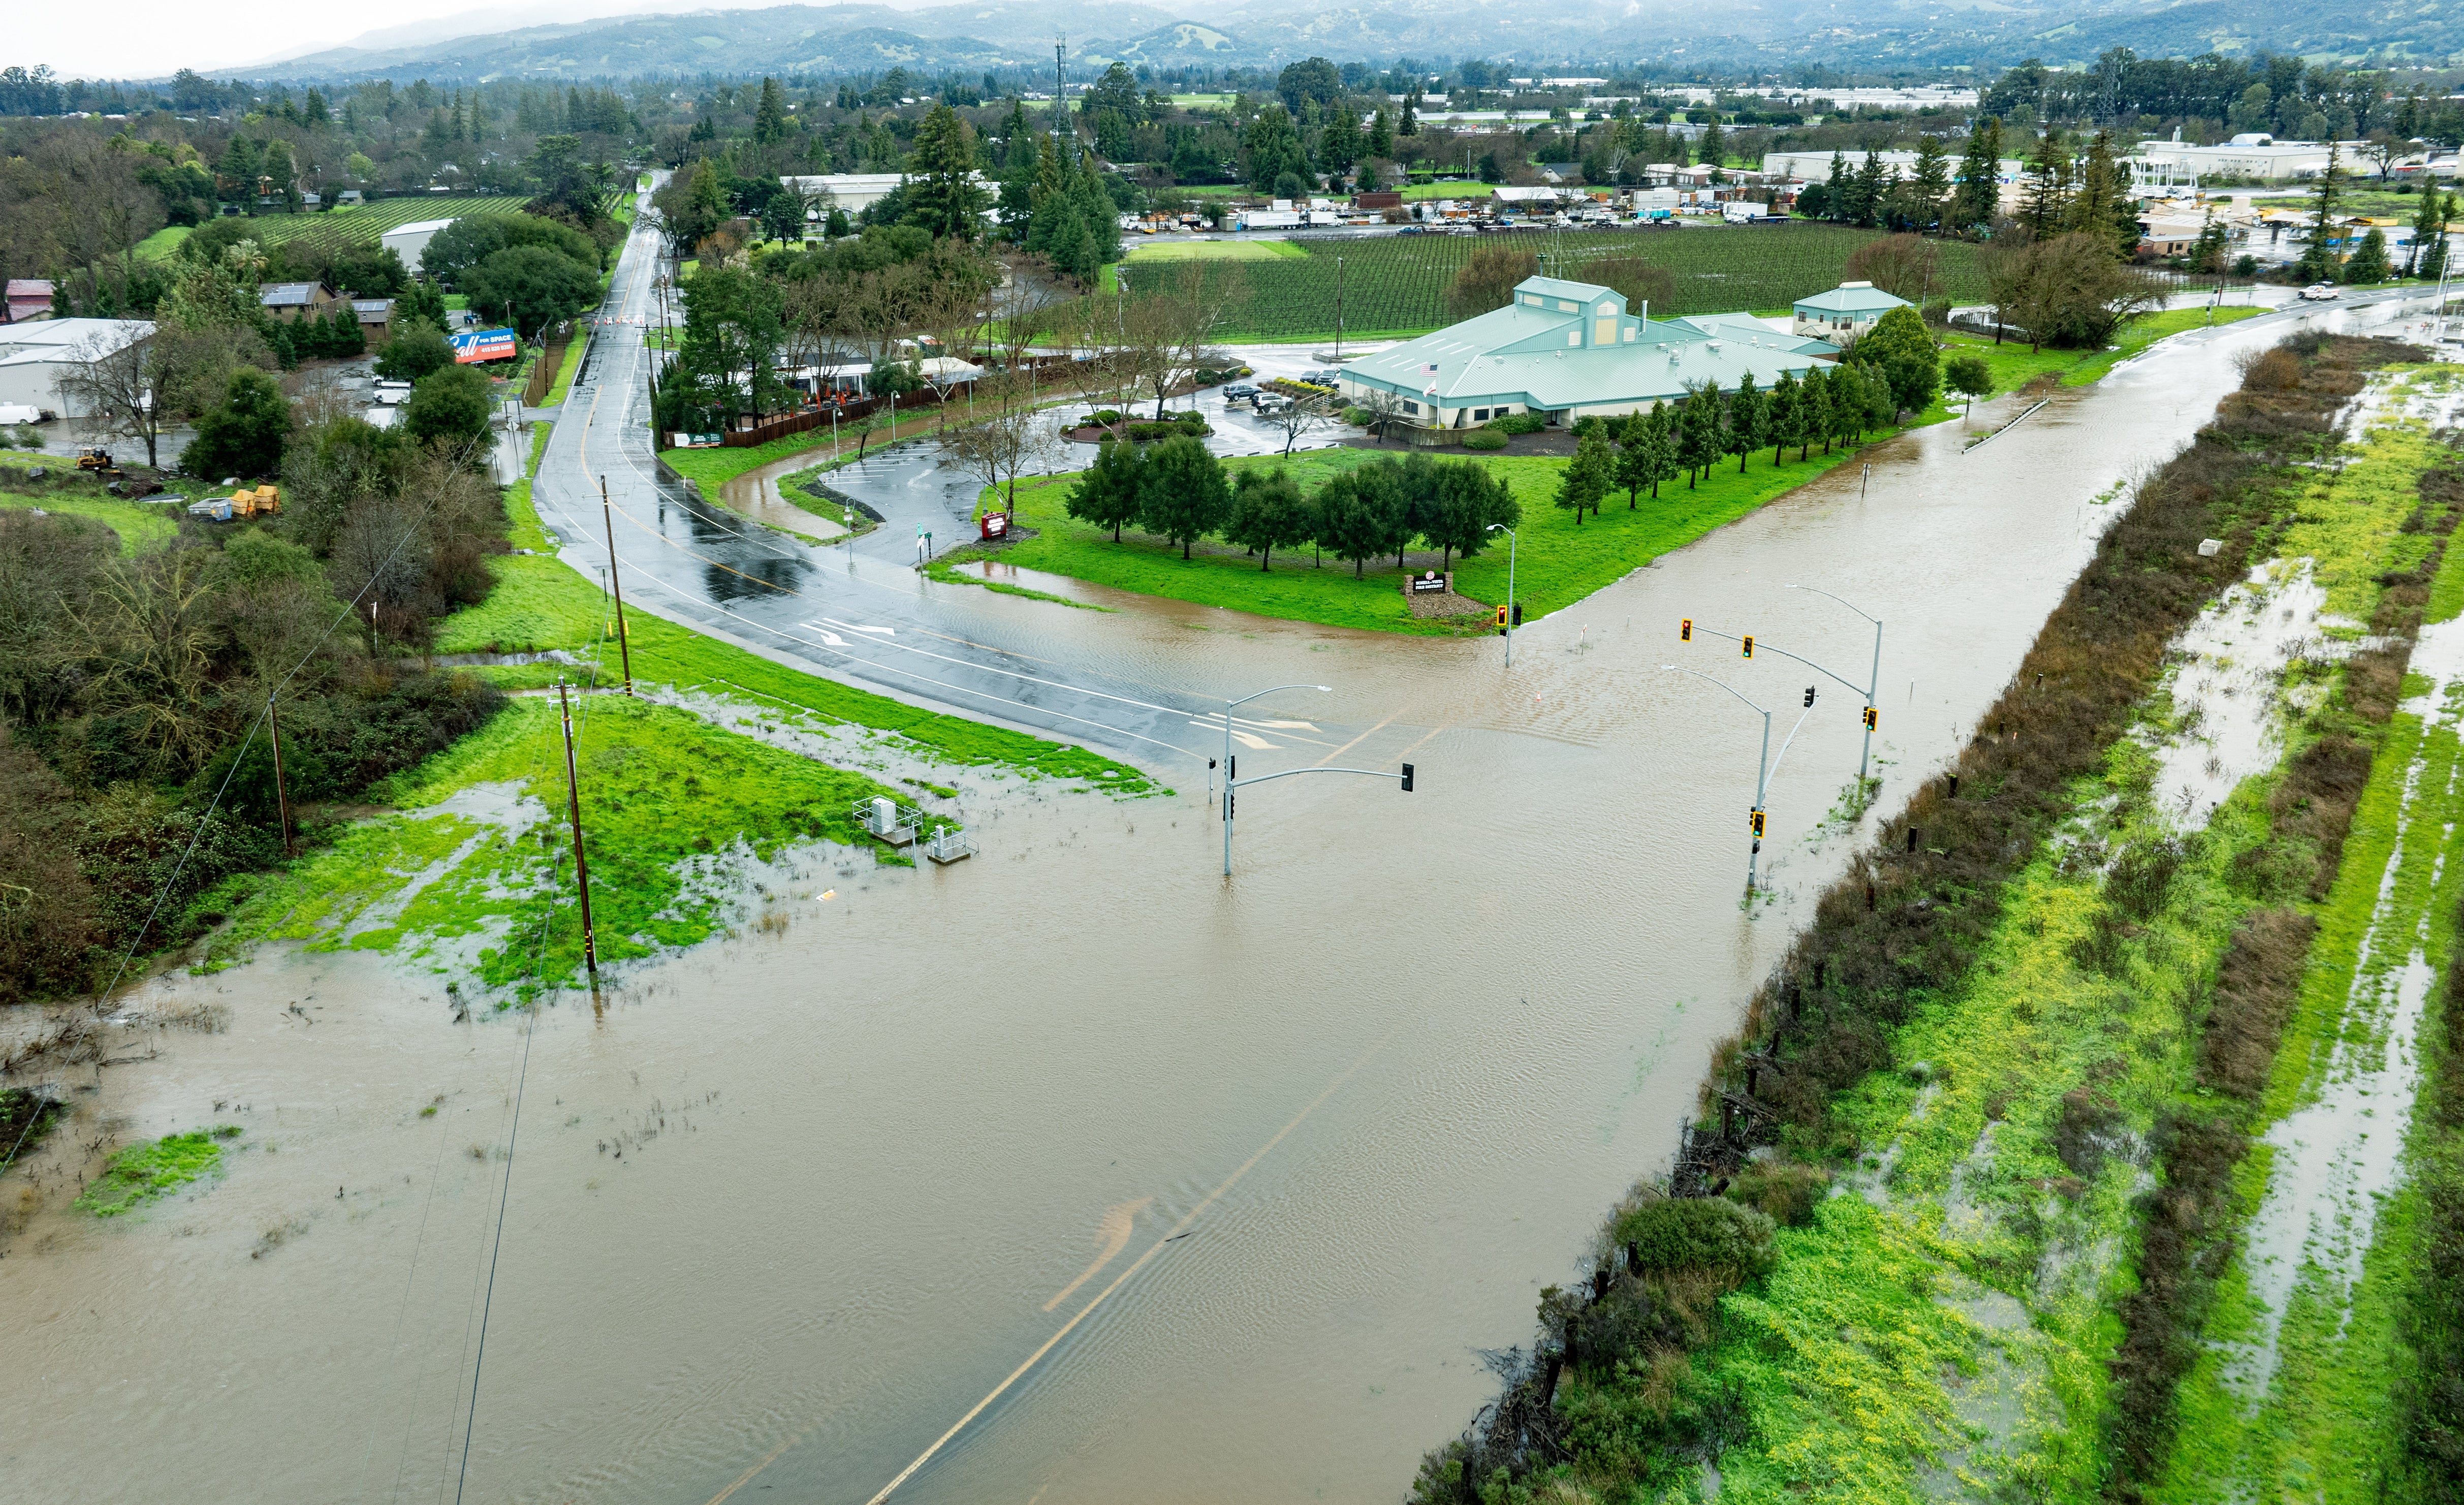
1567	350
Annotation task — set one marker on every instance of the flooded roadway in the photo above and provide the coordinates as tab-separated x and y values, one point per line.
797	1201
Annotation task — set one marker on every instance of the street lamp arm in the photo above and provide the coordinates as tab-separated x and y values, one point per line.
1246	698
1762	646
1819	591
1784	742
1375	773
1708	679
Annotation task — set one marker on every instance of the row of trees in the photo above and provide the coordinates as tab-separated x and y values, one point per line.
1178	491
1836	406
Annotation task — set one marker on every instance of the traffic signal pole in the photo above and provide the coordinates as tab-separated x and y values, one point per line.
1873	684
1228	707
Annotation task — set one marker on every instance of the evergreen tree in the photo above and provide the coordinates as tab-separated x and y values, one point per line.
1698	433
1979	190
1749	421
1814	402
1839	189
2318	263
1584	482
1106	496
942	194
1411	122
2046	205
1634	454
2429	235
1338	145
1713	147
1787	414
1268	514
1930	186
1182	493
770	116
2369	263
1097	207
2100	200
1381	136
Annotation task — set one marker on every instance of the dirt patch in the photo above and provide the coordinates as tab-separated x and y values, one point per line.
1429	604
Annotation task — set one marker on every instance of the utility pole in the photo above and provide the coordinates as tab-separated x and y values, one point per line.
623	647
281	797
1512	543
1338	307
573	809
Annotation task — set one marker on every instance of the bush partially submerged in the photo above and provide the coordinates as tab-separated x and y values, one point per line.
1696	1233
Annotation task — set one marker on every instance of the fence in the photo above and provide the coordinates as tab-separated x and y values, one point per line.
550	361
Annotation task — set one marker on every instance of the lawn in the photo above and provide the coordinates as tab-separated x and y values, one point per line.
1449	190
361	224
1557	563
140	527
1216	251
2014	365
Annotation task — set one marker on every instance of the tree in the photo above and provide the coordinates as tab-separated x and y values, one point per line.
1903	266
416	349
1587	479
1182	496
1748	419
942	194
2370	262
1698	433
2428	252
1979	190
1352	521
1274	149
1902	351
245	433
1787	411
1107	495
1268	514
2045	199
1815	410
1487	281
451	403
1338	144
572	186
2100	203
1467	499
2318	261
1646	285
531	287
770	118
133	386
1929	188
2069	292
1011	439
1650	453
1312	80
1971	378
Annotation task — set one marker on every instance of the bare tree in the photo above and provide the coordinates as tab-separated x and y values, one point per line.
109	210
1302	417
1385	409
1008	441
1165	332
129	387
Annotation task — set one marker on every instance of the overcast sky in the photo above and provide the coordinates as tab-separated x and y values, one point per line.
153	38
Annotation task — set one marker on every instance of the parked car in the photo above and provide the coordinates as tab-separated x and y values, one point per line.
2319	293
1269	404
1239	392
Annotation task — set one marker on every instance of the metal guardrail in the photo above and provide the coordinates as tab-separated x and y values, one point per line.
948	844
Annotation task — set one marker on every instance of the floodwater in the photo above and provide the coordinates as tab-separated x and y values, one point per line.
1167	1188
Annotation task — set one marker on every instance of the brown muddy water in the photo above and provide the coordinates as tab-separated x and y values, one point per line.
789	1205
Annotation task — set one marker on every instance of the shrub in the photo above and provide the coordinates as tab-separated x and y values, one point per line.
1104	416
1783	1191
1359	418
1483	439
1519	423
1682	1233
1144	433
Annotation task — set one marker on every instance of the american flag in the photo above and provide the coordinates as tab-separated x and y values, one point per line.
1431	372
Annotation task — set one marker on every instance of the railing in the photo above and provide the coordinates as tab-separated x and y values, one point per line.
948	844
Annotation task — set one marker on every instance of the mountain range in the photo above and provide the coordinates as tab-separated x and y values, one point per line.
1588	34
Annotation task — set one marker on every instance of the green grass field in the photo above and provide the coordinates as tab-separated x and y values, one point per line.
2014	366
1398	283
1215	250
1449	190
359	225
140	527
1557	563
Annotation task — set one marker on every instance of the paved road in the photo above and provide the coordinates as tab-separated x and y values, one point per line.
860	612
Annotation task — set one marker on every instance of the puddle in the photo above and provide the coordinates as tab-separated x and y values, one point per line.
2228	687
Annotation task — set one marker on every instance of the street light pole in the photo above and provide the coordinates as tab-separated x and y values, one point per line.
1228	707
1511	541
1764	768
1873	684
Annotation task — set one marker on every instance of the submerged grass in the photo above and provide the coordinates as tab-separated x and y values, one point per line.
143	1173
665	799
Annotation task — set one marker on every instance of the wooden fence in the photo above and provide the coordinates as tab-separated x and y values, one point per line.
550	361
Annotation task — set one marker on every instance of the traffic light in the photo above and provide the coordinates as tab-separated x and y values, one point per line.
1755	818
1749	645
1407	778
1869	717
1685	629
1518	614
1501	619
1809	695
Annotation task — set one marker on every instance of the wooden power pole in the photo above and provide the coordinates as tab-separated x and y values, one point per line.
624	646
573	809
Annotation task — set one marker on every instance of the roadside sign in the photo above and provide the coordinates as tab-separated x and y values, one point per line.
483	345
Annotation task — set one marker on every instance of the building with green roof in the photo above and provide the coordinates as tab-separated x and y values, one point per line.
1569	350
1845	312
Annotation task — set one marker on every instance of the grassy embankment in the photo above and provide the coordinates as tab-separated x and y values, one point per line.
1557	563
2014	366
140	527
2306	1354
562	388
1978	1039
